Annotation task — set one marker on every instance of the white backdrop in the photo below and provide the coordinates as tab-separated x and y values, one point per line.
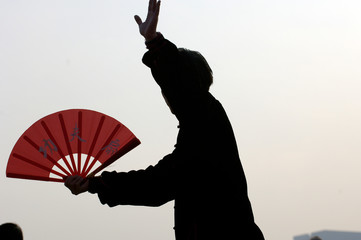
287	72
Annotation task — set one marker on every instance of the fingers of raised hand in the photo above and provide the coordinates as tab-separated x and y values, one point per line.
138	19
151	5
157	7
154	6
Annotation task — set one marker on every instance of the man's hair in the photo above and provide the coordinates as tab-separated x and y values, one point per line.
10	231
196	69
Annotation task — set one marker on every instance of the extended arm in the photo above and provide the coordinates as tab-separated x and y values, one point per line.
153	186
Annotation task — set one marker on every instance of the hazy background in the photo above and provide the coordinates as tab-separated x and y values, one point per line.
287	72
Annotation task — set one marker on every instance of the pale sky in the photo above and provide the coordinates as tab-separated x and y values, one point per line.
287	72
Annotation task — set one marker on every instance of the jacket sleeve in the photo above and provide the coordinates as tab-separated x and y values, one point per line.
152	186
163	59
167	67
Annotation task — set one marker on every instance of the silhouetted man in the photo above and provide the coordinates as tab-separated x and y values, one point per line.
203	174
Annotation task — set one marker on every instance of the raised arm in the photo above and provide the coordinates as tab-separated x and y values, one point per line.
148	29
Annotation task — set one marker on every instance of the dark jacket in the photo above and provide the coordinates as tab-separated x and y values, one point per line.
203	174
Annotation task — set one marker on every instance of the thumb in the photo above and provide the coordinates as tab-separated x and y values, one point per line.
138	19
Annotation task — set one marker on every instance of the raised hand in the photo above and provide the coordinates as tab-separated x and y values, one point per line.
148	29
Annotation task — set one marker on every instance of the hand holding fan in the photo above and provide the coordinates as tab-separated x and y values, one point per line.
71	142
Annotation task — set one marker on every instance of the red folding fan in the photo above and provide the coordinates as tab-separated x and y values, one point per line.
71	142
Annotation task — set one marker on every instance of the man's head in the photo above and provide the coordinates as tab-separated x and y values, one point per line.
196	69
195	74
